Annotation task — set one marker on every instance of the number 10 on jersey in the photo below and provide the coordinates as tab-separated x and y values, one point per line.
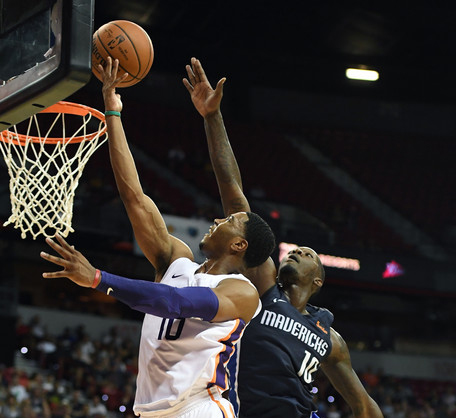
308	367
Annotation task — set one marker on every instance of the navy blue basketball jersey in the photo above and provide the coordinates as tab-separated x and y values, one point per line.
279	354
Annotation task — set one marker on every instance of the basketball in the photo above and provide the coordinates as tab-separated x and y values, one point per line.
129	43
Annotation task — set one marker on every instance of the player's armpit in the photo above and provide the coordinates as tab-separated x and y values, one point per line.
152	236
263	276
237	299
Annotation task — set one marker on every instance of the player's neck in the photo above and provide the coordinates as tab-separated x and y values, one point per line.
298	297
226	265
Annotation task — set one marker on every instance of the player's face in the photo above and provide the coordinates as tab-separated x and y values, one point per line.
299	264
223	231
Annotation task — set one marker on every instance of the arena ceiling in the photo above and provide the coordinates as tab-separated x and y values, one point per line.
305	45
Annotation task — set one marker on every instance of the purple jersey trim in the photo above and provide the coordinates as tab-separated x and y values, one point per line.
221	378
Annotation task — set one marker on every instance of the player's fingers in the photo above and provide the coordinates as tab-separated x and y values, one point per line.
115	68
191	74
64	253
108	68
121	78
56	247
196	70
187	85
199	72
63	243
54	274
53	259
219	87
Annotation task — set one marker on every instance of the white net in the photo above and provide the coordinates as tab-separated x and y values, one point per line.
45	170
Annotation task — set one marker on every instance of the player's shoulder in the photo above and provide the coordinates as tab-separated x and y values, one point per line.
183	263
274	293
339	349
263	276
322	313
179	267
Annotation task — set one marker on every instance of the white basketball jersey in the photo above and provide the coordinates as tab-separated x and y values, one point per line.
179	358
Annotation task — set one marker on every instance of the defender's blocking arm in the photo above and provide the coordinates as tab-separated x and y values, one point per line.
207	102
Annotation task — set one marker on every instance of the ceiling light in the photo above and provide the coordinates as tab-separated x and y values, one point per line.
360	74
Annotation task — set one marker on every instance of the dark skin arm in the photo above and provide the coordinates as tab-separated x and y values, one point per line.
151	233
237	298
338	368
207	102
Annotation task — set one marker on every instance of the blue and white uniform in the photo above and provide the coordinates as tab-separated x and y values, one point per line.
182	362
280	353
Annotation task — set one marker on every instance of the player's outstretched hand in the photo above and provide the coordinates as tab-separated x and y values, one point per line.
204	97
110	82
75	266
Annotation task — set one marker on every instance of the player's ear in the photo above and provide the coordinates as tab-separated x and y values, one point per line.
239	245
318	282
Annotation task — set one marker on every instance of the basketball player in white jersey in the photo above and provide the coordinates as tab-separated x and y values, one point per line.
194	313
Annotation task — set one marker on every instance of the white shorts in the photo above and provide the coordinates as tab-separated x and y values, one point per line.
211	405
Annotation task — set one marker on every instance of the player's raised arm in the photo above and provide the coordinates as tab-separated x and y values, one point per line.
207	102
148	225
337	367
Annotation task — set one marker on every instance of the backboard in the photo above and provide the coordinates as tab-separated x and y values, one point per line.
45	47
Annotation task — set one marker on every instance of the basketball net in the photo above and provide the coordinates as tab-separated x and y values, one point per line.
45	171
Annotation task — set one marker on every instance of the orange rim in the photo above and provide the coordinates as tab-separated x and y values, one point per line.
59	107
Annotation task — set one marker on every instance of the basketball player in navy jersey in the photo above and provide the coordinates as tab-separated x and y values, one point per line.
194	313
290	339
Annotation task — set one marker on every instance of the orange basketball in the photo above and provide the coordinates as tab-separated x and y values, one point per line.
129	43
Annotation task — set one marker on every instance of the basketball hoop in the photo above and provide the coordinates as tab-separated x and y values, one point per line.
46	163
